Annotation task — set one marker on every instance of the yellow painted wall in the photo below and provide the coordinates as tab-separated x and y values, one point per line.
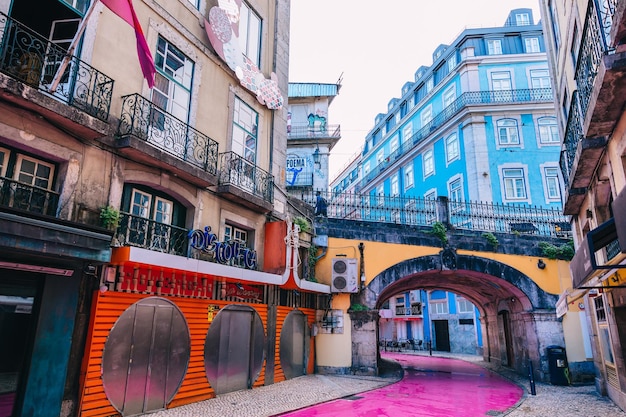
572	330
335	350
379	256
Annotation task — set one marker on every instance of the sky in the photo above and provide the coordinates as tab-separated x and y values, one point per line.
375	48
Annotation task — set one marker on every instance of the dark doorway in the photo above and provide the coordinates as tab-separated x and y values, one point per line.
442	335
505	337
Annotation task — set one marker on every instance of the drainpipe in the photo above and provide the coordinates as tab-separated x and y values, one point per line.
362	266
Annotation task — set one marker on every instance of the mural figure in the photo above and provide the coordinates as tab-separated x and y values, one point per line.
313	118
295	172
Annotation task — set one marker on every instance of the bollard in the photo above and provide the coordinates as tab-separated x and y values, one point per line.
430	348
531	378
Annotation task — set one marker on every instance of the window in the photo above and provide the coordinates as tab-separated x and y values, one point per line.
548	130
34	172
449	96
245	130
194	3
438	307
150	223
507	132
494	47
427	115
380	195
522	19
555	24
430	205
452	62
236	234
250	34
455	190
395	186
172	84
501	81
35	177
553	189
408	176
366	168
380	155
531	45
452	147
429	163
540	79
430	83
407	132
514	183
400	301
393	144
575	48
4	160
464	305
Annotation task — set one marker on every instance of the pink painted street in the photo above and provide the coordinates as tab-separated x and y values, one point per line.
431	387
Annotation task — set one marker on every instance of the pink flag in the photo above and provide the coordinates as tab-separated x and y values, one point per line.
125	10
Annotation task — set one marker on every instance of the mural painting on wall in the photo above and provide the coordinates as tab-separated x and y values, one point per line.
299	170
222	28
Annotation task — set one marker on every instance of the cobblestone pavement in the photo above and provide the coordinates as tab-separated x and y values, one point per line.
304	391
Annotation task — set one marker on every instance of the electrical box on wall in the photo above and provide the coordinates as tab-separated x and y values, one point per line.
344	277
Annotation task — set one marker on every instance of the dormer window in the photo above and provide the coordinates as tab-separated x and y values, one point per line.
522	19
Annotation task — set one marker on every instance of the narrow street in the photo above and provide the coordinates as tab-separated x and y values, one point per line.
432	386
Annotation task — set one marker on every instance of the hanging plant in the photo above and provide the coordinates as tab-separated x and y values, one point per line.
439	230
110	217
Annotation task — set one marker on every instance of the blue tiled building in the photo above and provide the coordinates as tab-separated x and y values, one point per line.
478	124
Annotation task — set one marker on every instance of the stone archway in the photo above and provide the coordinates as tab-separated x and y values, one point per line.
497	289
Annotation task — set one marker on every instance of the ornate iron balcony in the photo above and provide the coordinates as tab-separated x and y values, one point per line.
307	131
594	45
573	136
145	120
409	311
149	234
466	99
237	171
31	58
33	199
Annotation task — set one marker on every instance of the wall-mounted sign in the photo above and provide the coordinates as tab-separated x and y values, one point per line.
227	253
244	292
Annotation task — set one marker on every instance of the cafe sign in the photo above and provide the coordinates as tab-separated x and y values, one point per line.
226	253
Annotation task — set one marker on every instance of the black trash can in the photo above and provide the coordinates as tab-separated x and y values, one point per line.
557	364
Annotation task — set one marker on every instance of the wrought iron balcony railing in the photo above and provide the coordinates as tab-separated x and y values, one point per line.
149	234
306	131
466	215
33	199
145	120
573	136
466	99
237	171
595	44
409	311
34	60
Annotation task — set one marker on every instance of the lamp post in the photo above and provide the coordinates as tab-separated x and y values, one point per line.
317	157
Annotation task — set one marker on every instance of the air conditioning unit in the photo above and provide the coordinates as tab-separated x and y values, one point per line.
344	275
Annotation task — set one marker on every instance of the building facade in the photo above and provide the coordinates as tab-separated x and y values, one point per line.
586	55
141	226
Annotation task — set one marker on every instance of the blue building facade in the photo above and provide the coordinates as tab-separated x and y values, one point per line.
476	125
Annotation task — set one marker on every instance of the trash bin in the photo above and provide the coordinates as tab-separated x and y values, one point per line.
557	364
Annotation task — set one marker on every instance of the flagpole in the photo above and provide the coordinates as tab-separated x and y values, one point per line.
70	50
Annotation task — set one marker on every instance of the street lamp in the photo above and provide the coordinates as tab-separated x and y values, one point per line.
317	156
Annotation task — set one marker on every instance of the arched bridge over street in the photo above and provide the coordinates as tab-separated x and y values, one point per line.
515	294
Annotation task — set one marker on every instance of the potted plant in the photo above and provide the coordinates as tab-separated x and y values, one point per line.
110	217
305	228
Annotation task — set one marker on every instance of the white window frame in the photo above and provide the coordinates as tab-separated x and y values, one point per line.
463	305
366	168
539	78
4	162
245	131
394	144
531	45
35	181
452	62
448	96
501	81
380	195
430	84
439	307
455	188
428	162
407	132
552	183
409	176
250	25
394	184
522	19
512	176
427	115
430	204
494	46
548	131
453	151
508	130
380	156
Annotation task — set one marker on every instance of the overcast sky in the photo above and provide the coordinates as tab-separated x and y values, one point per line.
376	47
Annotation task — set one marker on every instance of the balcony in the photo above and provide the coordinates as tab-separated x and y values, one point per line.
322	131
148	134
601	69
28	198
149	234
245	183
579	158
415	310
29	58
472	98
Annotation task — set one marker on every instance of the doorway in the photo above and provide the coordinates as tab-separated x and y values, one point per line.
442	335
